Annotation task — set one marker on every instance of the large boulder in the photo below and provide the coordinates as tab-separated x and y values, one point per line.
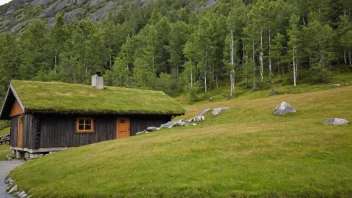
284	108
336	121
217	111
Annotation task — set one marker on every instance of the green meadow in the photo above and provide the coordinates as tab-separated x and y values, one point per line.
243	152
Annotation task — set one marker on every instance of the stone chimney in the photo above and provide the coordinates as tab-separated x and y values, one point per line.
98	80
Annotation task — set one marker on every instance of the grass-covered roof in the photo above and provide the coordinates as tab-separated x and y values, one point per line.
64	97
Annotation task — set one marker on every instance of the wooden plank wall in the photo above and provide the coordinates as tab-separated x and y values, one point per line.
29	135
14	131
60	131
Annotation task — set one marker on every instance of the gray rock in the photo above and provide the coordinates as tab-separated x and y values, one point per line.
196	119
51	22
9	181
335	85
102	13
37	3
22	194
217	111
73	14
180	123
284	108
153	128
94	2
141	132
204	112
13	189
171	124
209	3
79	2
20	26
336	121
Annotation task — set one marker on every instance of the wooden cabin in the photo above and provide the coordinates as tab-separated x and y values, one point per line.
52	116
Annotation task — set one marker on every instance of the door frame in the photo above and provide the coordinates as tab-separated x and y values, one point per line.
20	132
117	126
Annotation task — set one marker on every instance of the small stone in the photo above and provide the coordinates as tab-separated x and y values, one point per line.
13	189
217	111
336	121
284	108
153	128
335	85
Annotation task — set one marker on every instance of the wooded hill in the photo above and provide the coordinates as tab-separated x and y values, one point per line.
181	46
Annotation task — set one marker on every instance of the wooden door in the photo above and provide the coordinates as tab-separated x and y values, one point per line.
20	134
122	127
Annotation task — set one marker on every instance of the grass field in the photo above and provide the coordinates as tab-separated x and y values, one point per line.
4	149
244	152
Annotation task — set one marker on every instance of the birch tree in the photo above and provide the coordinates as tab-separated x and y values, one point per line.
235	23
294	35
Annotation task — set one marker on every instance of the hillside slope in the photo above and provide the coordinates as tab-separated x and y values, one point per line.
16	15
246	151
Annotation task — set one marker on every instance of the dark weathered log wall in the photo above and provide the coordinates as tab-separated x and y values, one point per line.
29	125
50	131
60	131
28	131
14	131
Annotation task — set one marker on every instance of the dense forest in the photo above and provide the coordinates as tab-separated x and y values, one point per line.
176	48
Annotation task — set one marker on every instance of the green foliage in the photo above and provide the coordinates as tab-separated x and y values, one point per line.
141	44
192	93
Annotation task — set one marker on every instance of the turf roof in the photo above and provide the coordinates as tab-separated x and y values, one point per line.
64	97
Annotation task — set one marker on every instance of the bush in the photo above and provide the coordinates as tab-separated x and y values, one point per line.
192	93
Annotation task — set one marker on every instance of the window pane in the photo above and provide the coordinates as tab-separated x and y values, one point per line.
81	127
81	121
88	127
88	121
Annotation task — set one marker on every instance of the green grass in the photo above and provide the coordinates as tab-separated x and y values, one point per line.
64	97
244	152
4	149
284	87
4	131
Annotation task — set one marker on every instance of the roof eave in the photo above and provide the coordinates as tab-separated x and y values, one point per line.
12	89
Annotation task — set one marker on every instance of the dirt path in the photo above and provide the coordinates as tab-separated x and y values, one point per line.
5	168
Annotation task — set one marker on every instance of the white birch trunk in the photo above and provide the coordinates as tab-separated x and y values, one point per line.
261	56
191	74
344	56
270	66
294	66
232	78
205	82
253	56
55	62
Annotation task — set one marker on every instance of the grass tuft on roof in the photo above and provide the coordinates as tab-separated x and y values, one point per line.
78	98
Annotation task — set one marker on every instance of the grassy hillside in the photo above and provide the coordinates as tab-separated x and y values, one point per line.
246	151
4	149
